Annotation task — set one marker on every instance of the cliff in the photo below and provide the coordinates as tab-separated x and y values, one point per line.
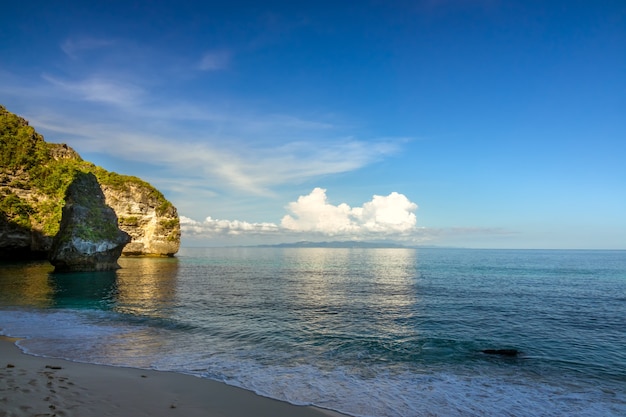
143	213
34	176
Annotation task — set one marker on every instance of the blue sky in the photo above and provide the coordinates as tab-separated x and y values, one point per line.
498	124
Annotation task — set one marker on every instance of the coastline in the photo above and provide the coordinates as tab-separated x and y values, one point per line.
32	385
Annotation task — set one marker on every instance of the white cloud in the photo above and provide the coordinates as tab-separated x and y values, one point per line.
215	60
313	213
393	213
384	217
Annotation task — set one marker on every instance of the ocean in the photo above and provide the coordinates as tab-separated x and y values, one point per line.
366	332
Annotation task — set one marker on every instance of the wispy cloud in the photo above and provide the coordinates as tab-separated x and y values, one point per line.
223	158
74	46
99	89
237	147
215	60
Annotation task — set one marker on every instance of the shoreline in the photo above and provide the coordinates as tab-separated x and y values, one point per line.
39	386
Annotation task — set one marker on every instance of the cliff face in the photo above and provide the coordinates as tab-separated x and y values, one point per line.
34	176
152	224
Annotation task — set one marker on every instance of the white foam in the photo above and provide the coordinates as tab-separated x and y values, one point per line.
64	334
375	391
414	394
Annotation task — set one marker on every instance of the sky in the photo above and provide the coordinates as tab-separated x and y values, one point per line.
466	123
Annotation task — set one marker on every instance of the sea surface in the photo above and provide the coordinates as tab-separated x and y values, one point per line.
367	332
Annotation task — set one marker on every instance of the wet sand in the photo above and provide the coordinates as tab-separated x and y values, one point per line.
35	386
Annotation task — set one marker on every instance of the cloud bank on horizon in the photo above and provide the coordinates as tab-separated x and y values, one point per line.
384	217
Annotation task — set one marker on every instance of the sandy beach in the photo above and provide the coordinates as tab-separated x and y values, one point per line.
35	386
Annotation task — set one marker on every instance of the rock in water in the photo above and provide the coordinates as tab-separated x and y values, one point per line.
501	352
89	238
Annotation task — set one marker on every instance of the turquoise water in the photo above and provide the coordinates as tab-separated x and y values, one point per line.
368	332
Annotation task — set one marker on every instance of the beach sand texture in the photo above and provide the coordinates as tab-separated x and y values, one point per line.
35	386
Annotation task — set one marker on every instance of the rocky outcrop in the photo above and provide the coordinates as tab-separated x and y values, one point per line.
88	238
60	152
34	176
152	223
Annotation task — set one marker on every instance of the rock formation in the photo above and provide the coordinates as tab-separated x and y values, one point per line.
88	238
501	352
146	216
34	176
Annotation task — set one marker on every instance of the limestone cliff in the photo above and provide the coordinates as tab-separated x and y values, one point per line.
146	216
34	176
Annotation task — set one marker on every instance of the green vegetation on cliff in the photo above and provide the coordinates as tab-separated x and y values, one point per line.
34	176
15	209
21	147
